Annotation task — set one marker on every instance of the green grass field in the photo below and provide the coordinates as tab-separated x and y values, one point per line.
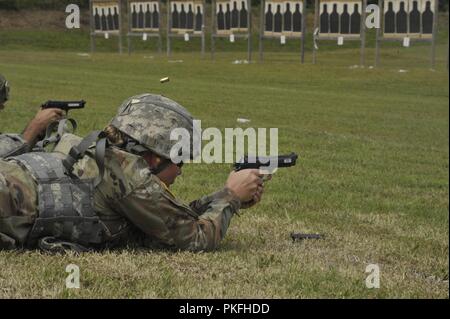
372	176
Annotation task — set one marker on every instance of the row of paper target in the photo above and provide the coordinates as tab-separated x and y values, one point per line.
336	17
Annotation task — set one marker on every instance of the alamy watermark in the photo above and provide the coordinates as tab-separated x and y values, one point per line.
73	19
373	17
373	279
73	279
227	148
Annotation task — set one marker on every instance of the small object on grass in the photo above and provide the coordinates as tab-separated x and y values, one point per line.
164	80
300	236
406	42
240	62
242	120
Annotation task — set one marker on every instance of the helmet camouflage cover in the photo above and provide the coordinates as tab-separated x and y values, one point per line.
4	90
149	119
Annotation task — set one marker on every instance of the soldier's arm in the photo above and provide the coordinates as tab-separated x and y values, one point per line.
245	183
201	205
155	211
39	123
12	144
16	144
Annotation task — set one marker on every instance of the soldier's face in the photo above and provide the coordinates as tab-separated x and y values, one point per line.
170	174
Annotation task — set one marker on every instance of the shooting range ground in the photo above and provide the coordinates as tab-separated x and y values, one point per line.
372	173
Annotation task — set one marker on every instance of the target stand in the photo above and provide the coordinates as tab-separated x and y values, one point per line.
283	20
340	20
186	19
105	21
408	21
144	21
231	19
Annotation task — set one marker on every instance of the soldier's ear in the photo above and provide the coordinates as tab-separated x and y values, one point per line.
147	158
152	159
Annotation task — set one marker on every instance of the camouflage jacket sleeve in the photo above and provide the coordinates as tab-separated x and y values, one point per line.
201	205
167	221
12	144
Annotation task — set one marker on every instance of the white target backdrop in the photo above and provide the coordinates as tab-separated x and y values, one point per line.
144	21
144	16
231	16
231	19
340	21
408	21
282	20
105	21
411	17
340	18
106	17
186	19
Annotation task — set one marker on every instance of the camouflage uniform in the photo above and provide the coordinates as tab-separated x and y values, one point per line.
12	144
4	90
133	203
9	143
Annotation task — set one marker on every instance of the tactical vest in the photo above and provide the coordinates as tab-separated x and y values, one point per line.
65	202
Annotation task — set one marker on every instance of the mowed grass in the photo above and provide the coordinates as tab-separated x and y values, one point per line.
372	174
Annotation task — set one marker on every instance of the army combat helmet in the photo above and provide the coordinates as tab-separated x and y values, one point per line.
4	90
149	119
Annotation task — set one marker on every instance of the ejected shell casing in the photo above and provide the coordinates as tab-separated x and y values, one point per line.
164	80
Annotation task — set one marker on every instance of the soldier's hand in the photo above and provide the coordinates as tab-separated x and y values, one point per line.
246	184
256	198
40	122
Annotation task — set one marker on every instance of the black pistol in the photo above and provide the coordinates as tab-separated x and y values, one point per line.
256	162
64	105
301	236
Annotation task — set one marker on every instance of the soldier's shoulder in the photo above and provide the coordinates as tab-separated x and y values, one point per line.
126	172
10	143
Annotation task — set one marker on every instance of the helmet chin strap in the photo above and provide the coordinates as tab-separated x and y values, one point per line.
134	147
162	166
